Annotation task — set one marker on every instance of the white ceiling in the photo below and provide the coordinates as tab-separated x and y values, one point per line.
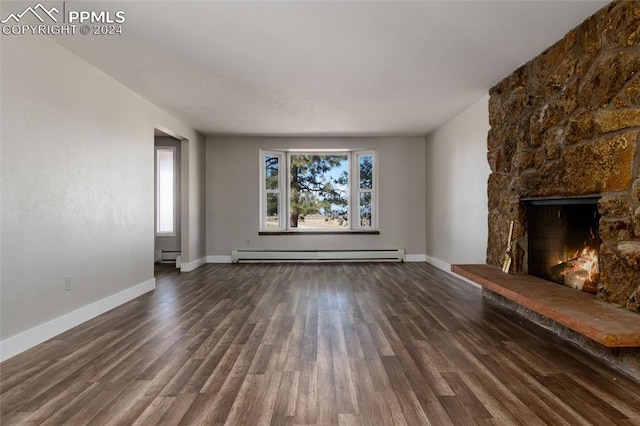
322	68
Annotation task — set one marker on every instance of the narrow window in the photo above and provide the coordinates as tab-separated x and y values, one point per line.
165	191
366	189
272	191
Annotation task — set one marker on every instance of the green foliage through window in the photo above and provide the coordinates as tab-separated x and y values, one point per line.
319	188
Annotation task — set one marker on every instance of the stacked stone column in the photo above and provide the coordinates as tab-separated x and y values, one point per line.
567	123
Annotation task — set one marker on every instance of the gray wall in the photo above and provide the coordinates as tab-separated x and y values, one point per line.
232	177
193	201
77	185
456	188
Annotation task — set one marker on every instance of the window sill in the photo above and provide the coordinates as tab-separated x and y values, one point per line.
319	233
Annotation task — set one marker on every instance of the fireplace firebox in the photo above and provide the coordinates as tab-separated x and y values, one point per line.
563	241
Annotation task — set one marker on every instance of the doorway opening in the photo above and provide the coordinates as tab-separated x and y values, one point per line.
167	200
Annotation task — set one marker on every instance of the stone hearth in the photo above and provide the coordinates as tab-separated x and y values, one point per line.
610	333
567	124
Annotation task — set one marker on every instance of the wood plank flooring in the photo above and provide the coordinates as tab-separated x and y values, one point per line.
312	344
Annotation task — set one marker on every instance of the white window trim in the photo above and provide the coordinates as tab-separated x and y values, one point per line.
353	190
282	215
175	191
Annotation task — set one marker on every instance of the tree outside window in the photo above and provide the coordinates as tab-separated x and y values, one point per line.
318	196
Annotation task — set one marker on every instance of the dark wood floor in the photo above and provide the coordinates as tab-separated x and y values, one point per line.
313	344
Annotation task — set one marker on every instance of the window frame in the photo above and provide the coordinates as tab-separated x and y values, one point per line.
353	191
264	191
357	190
173	231
326	152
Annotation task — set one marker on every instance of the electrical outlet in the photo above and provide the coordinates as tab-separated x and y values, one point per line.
67	283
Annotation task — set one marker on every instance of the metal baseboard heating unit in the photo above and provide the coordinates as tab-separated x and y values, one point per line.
256	256
167	256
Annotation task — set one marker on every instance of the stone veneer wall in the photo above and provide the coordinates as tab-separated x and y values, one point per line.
567	123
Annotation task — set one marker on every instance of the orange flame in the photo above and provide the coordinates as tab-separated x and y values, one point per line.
587	260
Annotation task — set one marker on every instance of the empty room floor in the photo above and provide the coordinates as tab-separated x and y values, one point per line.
289	344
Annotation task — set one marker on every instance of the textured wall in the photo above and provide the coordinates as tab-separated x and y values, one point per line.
567	124
77	184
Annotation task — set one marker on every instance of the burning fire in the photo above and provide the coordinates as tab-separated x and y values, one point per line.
586	260
582	272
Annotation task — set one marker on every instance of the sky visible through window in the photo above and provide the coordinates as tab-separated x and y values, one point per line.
319	191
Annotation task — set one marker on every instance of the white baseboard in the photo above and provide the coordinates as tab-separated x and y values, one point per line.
14	345
190	266
440	264
415	258
218	259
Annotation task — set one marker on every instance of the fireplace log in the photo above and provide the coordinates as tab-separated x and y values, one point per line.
572	273
590	286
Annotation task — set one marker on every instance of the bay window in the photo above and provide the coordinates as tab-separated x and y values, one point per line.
318	190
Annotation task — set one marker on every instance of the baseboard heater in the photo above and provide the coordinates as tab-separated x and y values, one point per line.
390	255
167	256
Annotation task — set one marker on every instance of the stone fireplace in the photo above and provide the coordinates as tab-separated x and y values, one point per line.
566	125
